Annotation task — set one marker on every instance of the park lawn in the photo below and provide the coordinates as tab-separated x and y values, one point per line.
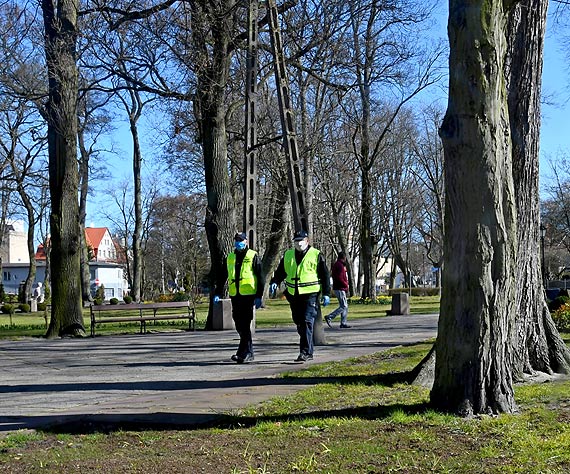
275	313
359	416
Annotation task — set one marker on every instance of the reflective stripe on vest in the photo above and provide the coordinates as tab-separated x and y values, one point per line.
247	279
304	277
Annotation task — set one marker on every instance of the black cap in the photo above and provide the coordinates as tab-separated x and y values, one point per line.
300	235
240	237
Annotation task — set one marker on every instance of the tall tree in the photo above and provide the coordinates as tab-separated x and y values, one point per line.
539	347
474	347
60	25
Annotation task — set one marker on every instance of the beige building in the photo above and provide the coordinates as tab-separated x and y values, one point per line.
14	248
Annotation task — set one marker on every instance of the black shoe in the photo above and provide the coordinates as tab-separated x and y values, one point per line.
235	357
245	359
328	321
303	357
345	326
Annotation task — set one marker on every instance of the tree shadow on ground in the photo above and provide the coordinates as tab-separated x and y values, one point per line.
102	423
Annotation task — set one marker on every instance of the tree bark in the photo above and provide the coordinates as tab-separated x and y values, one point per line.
60	23
539	346
474	347
213	29
86	296
137	232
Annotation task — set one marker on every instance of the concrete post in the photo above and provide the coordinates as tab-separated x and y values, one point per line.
319	338
400	304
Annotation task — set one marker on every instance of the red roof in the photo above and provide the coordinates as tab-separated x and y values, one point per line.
93	236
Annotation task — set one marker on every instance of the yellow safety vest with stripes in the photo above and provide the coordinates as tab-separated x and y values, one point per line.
303	277
247	279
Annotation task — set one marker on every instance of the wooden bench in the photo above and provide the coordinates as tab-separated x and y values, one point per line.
141	313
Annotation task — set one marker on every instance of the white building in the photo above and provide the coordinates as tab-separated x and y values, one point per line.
14	247
104	269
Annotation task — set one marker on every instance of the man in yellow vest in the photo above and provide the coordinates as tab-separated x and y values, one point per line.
245	284
306	276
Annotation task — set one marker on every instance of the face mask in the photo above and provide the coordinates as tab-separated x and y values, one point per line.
240	245
301	245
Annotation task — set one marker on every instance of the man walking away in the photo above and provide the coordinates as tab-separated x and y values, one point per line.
340	288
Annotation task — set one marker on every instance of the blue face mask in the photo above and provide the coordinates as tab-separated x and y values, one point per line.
240	245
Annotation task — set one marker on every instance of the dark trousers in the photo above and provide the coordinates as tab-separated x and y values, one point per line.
242	314
304	310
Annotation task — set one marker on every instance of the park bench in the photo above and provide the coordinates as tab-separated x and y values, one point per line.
142	313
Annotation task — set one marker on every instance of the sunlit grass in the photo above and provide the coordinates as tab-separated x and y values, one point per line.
275	313
353	418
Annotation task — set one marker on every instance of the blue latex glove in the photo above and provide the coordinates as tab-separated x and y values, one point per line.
326	300
257	303
273	288
216	299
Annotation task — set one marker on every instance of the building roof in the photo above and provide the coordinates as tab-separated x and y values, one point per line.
93	237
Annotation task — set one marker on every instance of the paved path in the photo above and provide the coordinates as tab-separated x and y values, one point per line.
164	379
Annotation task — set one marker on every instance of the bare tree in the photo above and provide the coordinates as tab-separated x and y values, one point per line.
60	25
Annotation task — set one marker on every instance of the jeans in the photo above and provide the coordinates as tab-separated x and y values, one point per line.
342	307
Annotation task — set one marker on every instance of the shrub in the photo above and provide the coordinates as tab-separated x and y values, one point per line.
561	318
164	298
98	301
100	293
24	307
382	299
558	302
127	299
113	301
180	296
42	306
8	308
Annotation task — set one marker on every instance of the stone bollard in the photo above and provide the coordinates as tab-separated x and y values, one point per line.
222	316
319	329
400	304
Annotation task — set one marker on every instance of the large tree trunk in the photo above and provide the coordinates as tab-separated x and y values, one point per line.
212	32
473	371
539	346
60	22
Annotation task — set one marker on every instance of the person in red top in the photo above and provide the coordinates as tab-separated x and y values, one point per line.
340	288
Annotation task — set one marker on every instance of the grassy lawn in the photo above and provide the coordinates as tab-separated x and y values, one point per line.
360	416
276	312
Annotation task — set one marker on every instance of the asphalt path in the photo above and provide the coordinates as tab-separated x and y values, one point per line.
178	379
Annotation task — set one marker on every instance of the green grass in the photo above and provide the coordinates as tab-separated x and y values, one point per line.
275	313
358	416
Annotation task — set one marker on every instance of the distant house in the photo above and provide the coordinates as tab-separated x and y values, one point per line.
15	243
104	267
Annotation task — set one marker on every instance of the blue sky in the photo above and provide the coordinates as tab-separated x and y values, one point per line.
555	133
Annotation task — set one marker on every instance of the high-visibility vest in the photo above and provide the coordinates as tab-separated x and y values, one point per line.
303	277
247	279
